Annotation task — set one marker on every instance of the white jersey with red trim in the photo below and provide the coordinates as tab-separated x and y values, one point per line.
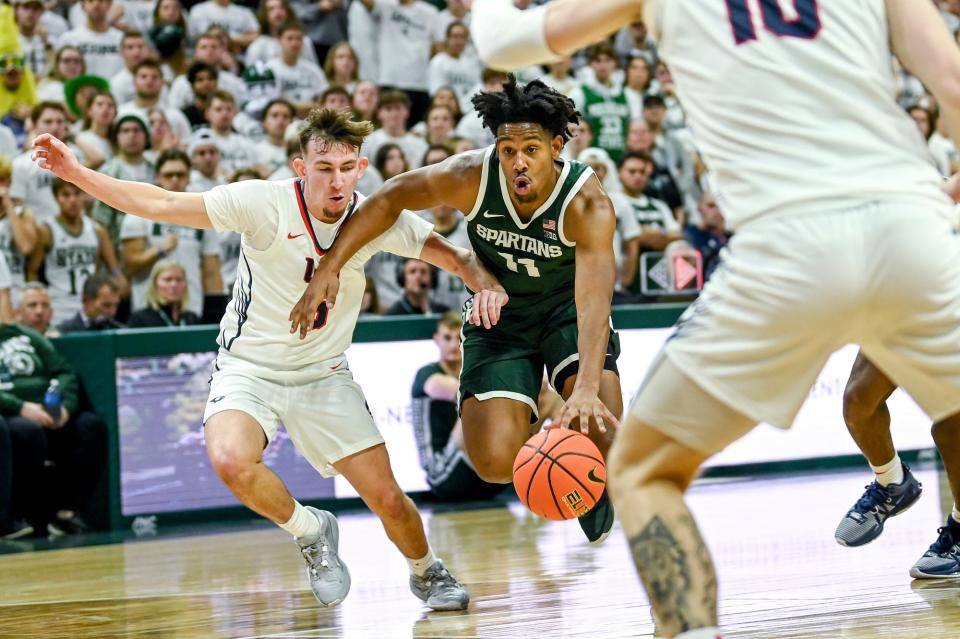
281	244
792	104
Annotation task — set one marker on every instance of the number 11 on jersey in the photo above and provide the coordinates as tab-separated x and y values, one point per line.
526	262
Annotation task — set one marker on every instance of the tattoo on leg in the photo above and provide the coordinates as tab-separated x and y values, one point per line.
665	572
702	555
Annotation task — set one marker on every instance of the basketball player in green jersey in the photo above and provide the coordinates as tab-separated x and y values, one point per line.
545	228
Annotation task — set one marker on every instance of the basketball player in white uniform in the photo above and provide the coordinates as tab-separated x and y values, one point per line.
843	235
70	247
265	375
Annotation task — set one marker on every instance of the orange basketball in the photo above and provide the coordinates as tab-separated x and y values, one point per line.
559	474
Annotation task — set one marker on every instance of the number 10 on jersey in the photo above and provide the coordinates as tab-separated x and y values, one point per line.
806	25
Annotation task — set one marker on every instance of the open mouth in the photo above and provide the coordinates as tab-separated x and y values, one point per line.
522	185
337	199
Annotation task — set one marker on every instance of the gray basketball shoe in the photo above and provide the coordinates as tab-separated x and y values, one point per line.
864	522
329	577
439	589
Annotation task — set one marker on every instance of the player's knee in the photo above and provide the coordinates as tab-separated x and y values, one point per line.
494	468
857	405
389	503
231	466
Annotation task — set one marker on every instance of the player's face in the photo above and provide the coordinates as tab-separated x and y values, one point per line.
330	173
527	154
70	199
633	175
448	341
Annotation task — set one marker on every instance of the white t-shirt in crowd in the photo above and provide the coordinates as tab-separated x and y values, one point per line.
236	152
280	240
181	94
235	20
266	48
362	34
35	53
302	82
271	155
192	246
101	51
413	147
405	42
32	185
460	74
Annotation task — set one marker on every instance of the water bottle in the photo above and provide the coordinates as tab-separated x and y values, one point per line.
53	400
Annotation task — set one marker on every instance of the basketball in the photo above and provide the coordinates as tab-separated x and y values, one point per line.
559	474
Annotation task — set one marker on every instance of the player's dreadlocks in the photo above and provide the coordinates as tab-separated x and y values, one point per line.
532	102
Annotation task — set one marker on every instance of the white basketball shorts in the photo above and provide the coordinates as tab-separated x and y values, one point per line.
792	290
327	418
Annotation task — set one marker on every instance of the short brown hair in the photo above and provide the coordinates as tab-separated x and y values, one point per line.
451	320
334	127
59	184
223	96
38	110
393	96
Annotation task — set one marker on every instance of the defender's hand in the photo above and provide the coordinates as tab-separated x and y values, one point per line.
322	289
584	405
52	154
486	307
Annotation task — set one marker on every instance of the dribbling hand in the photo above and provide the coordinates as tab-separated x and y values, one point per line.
584	405
322	289
486	307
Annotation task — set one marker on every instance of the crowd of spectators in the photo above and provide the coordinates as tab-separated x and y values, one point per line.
190	95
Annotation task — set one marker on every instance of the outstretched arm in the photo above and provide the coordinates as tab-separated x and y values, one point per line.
508	38
453	182
490	296
592	226
137	198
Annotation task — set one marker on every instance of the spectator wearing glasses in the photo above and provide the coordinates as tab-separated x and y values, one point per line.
96	39
68	64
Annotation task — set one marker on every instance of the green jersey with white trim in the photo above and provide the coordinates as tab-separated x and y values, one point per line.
533	260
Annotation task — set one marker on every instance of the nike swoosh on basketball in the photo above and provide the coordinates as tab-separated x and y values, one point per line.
488	214
291	236
592	476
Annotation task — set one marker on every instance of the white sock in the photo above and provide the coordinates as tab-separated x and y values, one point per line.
889	473
955	515
701	633
419	566
303	523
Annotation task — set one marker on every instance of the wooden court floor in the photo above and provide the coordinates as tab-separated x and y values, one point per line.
781	575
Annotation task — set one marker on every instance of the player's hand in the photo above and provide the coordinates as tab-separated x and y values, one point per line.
584	405
35	413
52	154
486	307
952	187
322	289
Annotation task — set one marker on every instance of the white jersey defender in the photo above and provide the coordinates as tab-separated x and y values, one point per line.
261	368
843	232
792	104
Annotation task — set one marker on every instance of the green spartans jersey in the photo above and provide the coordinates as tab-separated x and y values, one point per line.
533	260
609	117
